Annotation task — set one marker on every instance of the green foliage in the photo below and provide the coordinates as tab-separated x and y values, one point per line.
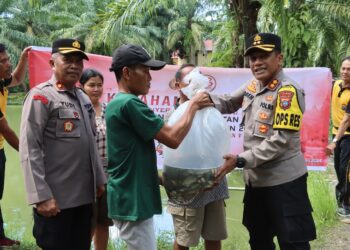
224	49
15	98
314	33
165	240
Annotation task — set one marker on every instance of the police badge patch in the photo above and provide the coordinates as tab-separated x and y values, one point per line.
288	114
68	126
285	99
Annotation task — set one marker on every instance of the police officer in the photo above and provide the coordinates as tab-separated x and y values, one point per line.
276	202
58	153
341	133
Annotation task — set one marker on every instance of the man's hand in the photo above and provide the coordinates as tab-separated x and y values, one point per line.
202	100
48	208
227	167
24	54
330	148
100	190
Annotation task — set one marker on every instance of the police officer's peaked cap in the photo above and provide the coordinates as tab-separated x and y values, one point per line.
66	46
129	54
263	41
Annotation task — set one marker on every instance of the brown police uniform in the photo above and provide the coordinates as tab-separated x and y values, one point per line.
276	201
57	146
60	160
271	139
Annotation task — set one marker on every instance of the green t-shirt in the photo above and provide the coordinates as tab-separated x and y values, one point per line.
133	185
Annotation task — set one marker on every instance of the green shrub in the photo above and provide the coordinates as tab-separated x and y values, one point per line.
16	98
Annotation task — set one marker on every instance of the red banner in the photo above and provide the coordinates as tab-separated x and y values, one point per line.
315	81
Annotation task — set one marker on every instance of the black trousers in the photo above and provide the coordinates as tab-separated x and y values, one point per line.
341	166
2	183
69	230
283	211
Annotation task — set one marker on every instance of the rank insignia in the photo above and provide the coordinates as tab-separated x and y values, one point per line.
251	87
41	98
285	98
263	116
269	98
263	128
272	85
59	85
68	126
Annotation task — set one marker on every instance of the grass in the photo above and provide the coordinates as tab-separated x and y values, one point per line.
324	204
16	98
19	222
322	199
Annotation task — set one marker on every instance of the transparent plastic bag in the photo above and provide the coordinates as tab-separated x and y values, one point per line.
191	167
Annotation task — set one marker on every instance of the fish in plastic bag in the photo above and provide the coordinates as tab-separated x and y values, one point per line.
191	167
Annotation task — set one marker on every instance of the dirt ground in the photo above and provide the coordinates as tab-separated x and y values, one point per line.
337	237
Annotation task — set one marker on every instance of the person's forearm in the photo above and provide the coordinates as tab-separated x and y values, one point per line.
11	138
345	123
172	136
20	71
181	128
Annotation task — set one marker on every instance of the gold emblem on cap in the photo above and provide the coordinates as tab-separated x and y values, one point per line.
76	44
257	40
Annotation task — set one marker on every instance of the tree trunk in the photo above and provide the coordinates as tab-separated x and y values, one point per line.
246	12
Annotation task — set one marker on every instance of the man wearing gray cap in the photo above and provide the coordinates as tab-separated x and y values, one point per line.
133	184
63	173
276	202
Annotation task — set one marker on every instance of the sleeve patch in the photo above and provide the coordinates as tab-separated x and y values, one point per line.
288	113
41	98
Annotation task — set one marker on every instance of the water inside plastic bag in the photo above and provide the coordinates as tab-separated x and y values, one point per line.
182	185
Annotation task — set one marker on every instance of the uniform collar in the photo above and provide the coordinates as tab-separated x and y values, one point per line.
341	84
59	86
276	81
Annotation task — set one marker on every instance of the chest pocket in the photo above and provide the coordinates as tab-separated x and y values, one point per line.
263	118
68	123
